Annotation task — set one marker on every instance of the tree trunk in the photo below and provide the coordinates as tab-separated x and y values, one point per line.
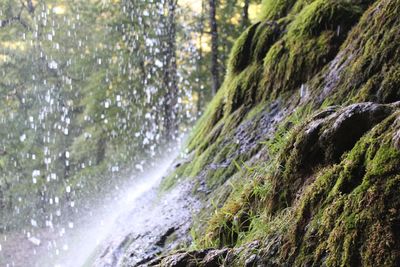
214	47
200	61
170	73
246	20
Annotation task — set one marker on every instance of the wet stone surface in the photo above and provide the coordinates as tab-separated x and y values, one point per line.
157	225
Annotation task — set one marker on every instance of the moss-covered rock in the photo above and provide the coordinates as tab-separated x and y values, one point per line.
322	142
275	9
349	215
306	128
312	39
366	69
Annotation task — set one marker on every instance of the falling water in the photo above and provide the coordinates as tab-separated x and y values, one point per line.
84	240
89	92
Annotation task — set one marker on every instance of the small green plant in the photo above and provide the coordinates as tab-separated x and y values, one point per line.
195	245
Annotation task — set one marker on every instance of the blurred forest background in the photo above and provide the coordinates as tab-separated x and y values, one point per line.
91	90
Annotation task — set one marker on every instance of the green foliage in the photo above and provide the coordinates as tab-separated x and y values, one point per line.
43	82
82	86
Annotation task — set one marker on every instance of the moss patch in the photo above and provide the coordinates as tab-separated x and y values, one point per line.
312	40
367	67
275	9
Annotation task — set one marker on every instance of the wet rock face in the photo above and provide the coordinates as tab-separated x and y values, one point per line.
206	258
248	133
255	253
396	135
159	225
348	126
396	139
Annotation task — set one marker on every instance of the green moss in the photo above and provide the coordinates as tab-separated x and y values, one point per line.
170	181
212	115
227	224
312	40
335	213
266	35
325	15
369	60
389	88
385	161
342	207
242	90
201	161
240	56
275	9
232	121
344	212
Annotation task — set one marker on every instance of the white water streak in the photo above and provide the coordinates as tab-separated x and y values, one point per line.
83	242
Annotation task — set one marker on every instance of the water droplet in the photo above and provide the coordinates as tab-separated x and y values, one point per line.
53	65
34	240
22	138
33	223
139	167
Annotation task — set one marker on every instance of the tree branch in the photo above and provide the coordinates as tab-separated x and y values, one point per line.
28	5
6	22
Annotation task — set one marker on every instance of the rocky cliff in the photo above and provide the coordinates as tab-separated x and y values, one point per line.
297	158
